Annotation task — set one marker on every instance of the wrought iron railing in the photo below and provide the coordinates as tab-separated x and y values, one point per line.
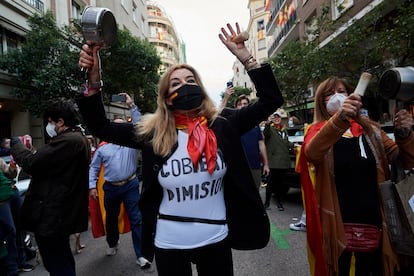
37	4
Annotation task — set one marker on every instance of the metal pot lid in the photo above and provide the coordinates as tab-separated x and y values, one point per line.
99	27
397	83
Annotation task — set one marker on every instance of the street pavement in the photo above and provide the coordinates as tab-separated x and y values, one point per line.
285	254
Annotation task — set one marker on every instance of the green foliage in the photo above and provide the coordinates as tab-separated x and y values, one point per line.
132	67
296	67
46	67
43	68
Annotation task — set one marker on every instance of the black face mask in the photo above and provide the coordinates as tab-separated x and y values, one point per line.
189	97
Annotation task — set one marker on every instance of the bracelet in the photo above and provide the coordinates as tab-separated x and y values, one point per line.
85	89
253	66
335	127
247	59
94	84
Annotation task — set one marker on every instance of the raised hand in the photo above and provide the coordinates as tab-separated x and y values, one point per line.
234	41
89	59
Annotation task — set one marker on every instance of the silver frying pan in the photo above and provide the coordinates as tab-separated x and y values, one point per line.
99	27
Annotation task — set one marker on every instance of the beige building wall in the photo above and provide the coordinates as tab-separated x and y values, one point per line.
163	35
13	24
256	44
130	15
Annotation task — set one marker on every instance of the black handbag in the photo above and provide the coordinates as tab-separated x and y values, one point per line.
398	220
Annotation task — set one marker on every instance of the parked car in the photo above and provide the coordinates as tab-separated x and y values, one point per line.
296	135
296	138
389	129
22	181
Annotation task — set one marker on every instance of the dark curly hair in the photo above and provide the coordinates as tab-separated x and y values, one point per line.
64	109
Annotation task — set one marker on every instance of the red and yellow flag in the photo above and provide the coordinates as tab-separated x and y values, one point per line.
291	8
316	257
98	214
280	18
267	5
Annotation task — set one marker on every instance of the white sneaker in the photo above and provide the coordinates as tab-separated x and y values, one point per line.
298	226
143	263
111	251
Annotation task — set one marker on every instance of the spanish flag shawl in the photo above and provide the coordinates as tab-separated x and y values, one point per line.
316	257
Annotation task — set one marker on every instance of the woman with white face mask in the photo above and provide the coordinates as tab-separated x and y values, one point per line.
349	155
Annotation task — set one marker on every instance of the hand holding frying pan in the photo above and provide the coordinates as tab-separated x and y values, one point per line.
99	27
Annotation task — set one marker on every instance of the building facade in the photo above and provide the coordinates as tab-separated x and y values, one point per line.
164	37
256	44
292	20
131	15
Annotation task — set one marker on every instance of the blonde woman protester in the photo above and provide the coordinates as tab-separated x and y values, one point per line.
198	198
351	156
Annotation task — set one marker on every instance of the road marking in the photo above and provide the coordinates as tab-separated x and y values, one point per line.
278	236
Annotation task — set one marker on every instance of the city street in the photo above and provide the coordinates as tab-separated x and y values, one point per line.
285	254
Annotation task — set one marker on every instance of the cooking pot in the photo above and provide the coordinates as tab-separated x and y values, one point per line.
99	27
398	83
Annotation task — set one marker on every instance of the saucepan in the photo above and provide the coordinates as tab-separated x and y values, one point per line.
398	83
99	27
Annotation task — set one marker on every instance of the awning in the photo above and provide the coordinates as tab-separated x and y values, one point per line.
13	28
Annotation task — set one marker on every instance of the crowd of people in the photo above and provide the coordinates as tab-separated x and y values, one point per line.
202	171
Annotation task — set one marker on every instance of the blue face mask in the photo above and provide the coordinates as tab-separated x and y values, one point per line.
187	97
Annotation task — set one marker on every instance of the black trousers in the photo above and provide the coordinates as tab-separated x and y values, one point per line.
213	259
276	185
56	255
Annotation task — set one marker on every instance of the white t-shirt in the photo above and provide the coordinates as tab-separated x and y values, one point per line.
188	192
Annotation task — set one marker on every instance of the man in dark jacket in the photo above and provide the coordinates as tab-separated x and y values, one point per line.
56	203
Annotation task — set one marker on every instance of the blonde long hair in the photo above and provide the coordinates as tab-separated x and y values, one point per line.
322	114
160	126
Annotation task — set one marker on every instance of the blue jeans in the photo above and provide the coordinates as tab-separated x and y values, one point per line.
56	255
129	195
9	215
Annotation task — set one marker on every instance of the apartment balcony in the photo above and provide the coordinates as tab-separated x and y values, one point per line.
288	32
164	42
37	4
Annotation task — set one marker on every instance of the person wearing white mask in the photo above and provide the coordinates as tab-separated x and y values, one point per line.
56	202
350	156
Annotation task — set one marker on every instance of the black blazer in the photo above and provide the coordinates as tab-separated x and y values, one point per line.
56	202
248	223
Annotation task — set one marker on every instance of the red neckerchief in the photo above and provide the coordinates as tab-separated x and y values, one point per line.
201	139
279	127
356	129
